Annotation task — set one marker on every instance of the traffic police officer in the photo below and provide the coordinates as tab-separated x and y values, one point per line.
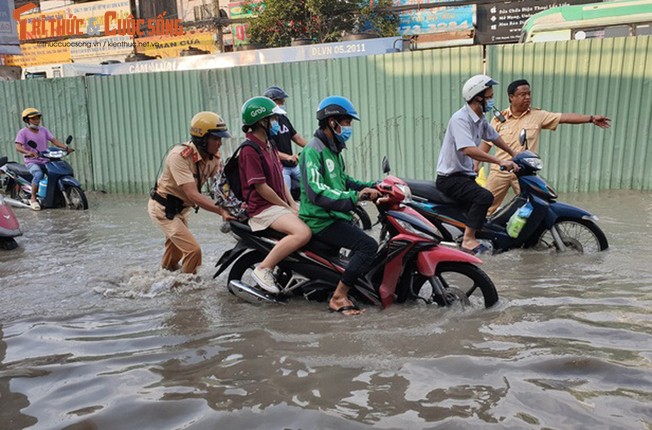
187	168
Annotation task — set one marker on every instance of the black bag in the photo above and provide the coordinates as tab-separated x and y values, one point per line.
228	189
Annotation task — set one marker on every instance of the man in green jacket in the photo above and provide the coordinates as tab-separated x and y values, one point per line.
328	195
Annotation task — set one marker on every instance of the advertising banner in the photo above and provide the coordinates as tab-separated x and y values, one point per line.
8	34
239	31
35	54
502	22
171	46
436	20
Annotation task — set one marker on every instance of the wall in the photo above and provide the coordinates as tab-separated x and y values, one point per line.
123	125
610	77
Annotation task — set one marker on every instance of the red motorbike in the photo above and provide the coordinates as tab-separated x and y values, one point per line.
9	227
410	264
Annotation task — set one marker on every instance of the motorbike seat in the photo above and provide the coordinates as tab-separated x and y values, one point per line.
315	245
3	161
428	190
19	170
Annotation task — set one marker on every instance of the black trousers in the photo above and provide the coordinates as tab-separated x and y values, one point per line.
363	248
465	190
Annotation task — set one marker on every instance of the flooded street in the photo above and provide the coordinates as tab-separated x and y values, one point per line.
94	336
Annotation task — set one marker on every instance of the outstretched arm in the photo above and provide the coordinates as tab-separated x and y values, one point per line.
577	118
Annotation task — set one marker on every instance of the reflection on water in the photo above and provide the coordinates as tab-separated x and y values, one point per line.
94	335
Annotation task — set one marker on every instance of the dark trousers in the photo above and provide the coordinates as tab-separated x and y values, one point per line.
363	248
465	190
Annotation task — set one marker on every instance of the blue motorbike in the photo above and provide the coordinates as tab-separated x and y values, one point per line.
532	219
59	187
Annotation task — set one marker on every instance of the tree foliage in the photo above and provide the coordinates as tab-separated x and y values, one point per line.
280	21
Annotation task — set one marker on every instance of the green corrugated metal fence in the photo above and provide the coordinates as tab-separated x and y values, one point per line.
124	124
610	77
63	104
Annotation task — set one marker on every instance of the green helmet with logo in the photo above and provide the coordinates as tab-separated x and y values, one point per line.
257	108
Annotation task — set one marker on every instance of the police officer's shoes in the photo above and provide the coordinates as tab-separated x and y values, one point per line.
265	280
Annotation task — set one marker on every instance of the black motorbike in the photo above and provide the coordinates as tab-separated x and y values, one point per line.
410	264
532	219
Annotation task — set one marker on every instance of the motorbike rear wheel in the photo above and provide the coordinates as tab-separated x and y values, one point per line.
76	197
243	268
580	235
463	283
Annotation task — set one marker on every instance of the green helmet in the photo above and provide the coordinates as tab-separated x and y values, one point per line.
257	108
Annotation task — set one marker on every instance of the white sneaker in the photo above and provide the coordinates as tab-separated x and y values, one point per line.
265	280
35	205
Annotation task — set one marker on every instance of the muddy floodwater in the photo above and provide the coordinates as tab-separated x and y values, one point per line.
94	336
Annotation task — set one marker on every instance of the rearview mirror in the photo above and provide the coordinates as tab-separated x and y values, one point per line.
385	165
68	140
32	144
522	137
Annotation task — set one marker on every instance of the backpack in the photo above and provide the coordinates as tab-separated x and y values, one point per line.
227	187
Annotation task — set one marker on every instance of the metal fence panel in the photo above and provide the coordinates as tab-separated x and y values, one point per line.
404	101
611	77
134	120
63	105
123	125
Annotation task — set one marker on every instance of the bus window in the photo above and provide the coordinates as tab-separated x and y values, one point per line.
37	75
601	33
643	29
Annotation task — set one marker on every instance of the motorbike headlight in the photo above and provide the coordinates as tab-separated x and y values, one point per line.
534	162
56	154
406	192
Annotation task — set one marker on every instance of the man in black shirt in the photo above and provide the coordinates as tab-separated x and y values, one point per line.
283	140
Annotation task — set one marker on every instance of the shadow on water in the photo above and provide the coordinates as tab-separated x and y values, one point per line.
98	337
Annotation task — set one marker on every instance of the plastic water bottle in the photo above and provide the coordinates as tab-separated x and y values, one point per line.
518	220
43	187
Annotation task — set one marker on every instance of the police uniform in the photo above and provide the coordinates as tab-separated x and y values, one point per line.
533	121
183	165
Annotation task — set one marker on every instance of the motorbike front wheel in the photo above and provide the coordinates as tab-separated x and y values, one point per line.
580	235
462	282
8	243
361	218
75	198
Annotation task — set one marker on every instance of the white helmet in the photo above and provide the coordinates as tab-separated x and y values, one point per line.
476	85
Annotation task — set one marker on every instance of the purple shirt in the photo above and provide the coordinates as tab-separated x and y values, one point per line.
252	173
41	137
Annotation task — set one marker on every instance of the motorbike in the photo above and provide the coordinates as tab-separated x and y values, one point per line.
59	187
544	222
410	264
9	226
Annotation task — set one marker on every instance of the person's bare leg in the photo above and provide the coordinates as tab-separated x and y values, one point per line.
340	299
469	241
298	235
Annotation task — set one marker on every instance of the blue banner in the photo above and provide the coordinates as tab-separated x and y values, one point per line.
436	20
8	34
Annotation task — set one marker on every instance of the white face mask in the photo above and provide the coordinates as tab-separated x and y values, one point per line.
33	126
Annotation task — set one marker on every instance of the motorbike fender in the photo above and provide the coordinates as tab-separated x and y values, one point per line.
229	257
68	181
9	226
564	210
393	270
427	260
